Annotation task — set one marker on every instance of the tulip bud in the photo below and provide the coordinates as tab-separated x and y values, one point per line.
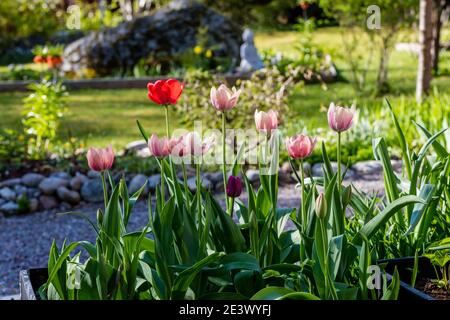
346	196
99	217
321	206
234	187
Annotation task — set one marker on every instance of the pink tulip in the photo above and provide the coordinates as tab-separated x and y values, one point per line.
340	119
223	98
195	146
300	146
158	147
177	146
266	121
100	159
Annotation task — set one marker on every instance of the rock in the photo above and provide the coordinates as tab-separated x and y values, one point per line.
64	206
10	182
49	185
94	174
397	165
154	181
122	47
2	201
7	194
370	167
34	204
48	202
192	184
33	193
20	190
214	177
286	167
317	170
77	181
32	179
306	169
252	175
67	195
9	208
92	190
136	183
61	175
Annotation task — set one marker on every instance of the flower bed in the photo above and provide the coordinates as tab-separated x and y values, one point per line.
192	248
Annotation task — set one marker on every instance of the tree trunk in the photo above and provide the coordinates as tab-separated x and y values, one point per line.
425	42
382	84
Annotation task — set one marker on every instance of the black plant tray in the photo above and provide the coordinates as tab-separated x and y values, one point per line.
30	281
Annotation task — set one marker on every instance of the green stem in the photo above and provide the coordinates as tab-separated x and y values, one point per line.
303	214
162	180
198	195
232	208
339	162
224	159
183	167
105	189
167	121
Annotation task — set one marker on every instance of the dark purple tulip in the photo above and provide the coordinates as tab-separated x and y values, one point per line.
234	187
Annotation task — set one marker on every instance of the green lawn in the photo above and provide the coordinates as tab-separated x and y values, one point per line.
99	117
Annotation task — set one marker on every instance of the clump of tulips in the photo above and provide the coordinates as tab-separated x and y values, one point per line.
50	55
243	250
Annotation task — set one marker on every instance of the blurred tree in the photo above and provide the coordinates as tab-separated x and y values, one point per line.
425	42
440	14
22	18
394	15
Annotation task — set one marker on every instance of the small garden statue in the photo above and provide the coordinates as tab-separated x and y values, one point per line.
250	59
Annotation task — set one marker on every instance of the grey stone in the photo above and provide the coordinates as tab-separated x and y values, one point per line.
370	167
317	170
61	175
48	202
33	193
306	169
20	190
32	179
2	201
252	175
34	204
93	174
192	184
137	182
67	195
7	193
49	185
250	59
122	47
10	182
92	190
154	181
214	177
9	208
64	206
77	181
286	167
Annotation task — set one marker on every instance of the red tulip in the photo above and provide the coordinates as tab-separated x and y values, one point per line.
164	92
38	59
158	147
100	159
234	187
53	62
300	146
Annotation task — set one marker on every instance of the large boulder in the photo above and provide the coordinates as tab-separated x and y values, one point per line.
170	30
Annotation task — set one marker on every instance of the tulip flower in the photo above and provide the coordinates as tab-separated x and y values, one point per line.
339	118
158	147
194	144
165	92
38	59
266	121
223	98
300	146
321	206
53	61
234	187
100	159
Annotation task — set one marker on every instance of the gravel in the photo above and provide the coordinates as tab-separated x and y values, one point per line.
25	240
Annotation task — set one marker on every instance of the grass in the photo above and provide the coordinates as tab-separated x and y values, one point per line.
100	117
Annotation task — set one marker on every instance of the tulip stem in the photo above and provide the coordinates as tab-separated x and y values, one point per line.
303	215
105	188
198	195
339	162
162	180
232	208
167	121
224	160
183	167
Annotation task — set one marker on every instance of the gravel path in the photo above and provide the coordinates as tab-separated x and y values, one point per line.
25	240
